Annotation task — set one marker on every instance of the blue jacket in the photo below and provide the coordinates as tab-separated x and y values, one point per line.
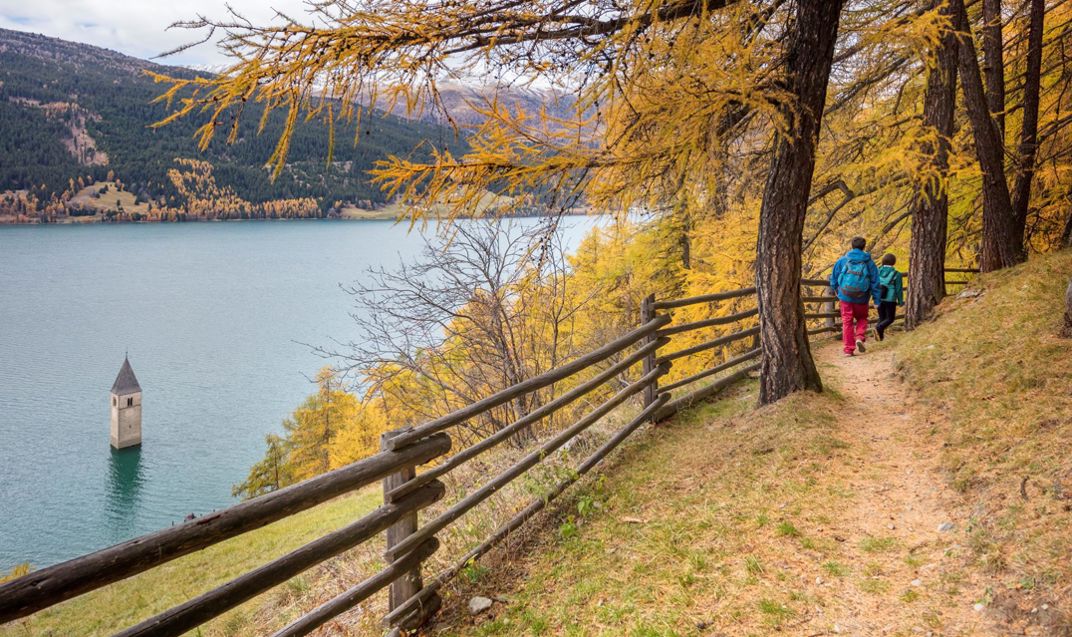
872	270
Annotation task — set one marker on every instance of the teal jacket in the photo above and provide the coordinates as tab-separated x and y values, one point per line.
894	281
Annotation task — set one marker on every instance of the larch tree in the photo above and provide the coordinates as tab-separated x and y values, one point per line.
742	62
1028	147
705	112
1000	246
930	213
787	364
992	41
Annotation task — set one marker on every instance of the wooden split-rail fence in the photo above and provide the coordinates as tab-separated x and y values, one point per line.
412	599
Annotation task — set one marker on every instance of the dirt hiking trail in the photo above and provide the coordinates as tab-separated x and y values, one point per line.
902	526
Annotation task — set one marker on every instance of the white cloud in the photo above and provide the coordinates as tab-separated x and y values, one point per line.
136	28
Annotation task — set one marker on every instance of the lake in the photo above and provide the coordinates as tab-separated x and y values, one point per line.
215	317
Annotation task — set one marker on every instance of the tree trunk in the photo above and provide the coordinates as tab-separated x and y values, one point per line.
1000	247
994	63
1025	160
1066	328
931	214
684	217
787	363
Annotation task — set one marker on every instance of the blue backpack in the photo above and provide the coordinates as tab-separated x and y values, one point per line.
855	282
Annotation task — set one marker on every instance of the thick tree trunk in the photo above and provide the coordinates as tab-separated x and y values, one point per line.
787	362
930	216
994	63
1000	245
1025	159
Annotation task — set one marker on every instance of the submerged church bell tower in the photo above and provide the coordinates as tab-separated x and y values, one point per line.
126	408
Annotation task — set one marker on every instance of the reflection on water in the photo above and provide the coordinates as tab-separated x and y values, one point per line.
125	481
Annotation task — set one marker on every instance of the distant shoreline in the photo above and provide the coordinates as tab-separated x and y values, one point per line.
93	221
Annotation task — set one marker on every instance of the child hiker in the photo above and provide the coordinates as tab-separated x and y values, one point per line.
891	293
855	282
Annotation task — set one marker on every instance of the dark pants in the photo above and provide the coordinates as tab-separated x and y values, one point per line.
887	310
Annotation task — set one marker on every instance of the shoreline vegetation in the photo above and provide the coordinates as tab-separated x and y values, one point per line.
363	215
110	202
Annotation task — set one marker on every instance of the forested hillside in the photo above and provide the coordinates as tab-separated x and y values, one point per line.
72	115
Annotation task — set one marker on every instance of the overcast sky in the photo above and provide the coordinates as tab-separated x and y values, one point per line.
134	27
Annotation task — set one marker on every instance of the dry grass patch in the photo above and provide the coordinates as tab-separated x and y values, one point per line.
714	520
993	364
110	199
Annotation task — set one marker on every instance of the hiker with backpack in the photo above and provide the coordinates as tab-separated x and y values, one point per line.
891	294
855	282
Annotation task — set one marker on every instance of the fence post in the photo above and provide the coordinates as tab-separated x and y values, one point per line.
831	307
409	584
647	313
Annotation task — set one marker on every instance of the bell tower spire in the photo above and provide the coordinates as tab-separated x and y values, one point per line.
126	408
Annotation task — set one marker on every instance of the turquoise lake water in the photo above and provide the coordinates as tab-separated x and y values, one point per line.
214	316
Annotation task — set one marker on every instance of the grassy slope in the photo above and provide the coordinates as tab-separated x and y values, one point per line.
655	552
732	539
125	603
993	365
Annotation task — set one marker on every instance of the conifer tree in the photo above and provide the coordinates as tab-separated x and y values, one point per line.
787	361
930	215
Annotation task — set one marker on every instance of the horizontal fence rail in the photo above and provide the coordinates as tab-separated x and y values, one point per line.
705	298
722	345
214	603
504	434
525	514
49	586
524	464
530	385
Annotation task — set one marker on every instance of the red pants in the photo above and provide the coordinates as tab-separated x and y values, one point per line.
849	334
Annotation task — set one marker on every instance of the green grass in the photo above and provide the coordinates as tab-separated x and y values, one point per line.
125	603
787	529
877	544
774	612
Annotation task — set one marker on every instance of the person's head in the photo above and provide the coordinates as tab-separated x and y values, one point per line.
859	243
889	259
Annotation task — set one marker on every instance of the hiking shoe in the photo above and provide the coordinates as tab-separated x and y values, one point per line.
847	354
860	346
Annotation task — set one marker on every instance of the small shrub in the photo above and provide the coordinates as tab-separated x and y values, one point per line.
568	529
473	572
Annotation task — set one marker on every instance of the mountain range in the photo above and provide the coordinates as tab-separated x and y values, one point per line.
76	139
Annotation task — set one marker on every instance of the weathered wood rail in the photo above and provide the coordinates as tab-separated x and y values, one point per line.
728	357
